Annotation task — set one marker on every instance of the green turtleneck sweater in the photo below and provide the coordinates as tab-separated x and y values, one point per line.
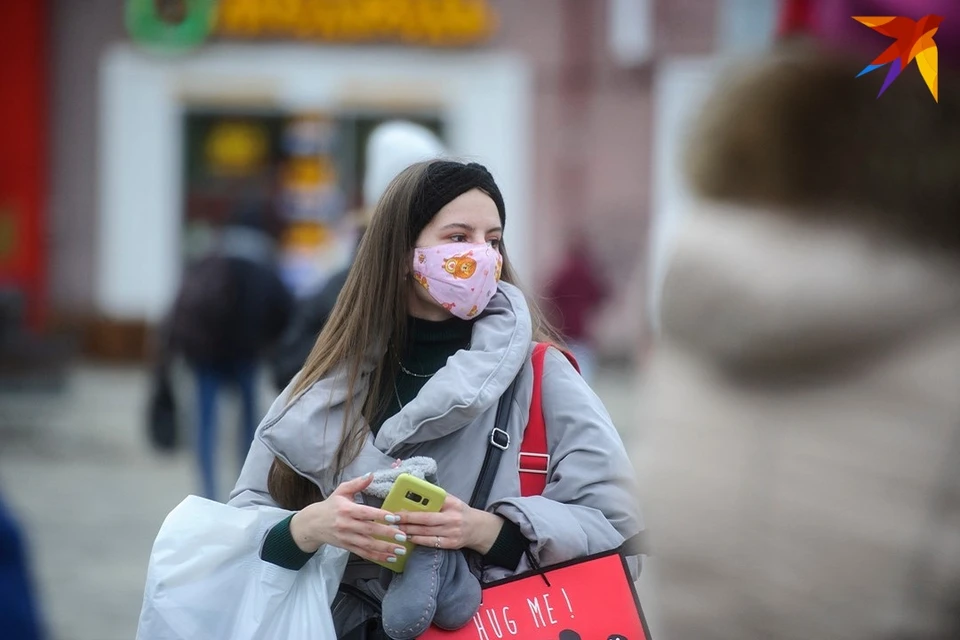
428	346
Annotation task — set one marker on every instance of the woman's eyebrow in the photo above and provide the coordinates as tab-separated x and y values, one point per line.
458	225
468	228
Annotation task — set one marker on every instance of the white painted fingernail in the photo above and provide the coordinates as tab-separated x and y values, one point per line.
400	537
394	526
400	551
392	518
391	559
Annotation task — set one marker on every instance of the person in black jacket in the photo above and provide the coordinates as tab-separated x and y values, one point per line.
309	317
232	305
392	147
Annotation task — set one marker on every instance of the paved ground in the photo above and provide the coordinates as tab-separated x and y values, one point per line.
92	495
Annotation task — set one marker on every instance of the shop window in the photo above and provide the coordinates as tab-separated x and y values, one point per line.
301	173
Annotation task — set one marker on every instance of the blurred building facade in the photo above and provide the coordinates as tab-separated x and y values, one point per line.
558	97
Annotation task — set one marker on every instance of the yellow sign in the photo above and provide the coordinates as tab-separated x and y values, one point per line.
236	147
309	172
418	22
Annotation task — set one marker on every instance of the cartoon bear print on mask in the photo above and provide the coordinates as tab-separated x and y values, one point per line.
421	279
462	267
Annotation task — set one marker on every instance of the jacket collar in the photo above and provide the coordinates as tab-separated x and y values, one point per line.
306	432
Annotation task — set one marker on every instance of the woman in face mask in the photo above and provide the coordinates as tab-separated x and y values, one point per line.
428	333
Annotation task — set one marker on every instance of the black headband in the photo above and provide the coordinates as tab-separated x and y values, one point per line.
444	181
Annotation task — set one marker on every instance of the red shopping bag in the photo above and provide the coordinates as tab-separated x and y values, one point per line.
588	599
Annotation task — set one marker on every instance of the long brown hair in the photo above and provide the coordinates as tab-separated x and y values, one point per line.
371	310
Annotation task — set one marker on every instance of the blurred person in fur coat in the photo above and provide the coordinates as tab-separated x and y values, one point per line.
802	463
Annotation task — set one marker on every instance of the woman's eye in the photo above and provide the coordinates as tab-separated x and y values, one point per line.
494	242
458	238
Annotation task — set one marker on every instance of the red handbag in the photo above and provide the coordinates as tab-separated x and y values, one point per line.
586	599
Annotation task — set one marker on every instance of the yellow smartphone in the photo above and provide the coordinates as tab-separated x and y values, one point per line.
410	493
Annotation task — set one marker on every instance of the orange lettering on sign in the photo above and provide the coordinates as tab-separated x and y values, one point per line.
429	22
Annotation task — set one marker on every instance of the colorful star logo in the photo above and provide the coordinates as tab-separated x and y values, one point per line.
914	39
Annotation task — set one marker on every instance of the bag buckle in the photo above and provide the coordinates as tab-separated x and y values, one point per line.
500	439
538	463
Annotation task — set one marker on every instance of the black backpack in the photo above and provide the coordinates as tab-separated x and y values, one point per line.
205	308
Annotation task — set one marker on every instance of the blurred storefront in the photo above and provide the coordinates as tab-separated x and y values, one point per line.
276	101
259	120
159	131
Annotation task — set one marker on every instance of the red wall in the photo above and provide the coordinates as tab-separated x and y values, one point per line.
23	148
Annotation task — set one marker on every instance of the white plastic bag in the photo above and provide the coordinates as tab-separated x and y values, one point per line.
206	579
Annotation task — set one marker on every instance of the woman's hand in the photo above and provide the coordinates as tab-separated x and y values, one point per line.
343	523
455	526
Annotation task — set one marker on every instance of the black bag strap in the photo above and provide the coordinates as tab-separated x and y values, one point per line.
498	442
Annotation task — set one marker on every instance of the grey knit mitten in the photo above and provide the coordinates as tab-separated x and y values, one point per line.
436	585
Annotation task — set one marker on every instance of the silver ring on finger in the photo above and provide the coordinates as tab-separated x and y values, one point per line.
437	544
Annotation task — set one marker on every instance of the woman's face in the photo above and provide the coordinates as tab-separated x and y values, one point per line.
470	218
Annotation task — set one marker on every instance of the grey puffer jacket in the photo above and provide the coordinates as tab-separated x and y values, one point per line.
590	502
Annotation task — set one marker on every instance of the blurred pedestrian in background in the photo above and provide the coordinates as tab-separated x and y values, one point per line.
391	148
575	293
231	307
803	456
19	617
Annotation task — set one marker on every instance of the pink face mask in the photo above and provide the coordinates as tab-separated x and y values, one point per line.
460	277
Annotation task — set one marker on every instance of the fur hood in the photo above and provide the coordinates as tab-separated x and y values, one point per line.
800	134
